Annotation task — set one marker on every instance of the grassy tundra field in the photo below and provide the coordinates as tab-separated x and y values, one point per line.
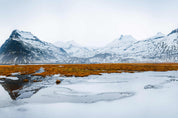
82	70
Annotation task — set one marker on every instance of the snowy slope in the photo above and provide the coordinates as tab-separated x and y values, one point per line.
159	48
118	45
76	50
108	54
22	47
122	42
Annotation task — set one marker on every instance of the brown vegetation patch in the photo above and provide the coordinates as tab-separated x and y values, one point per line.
26	80
82	70
37	80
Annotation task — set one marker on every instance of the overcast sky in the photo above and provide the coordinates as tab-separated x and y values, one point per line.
88	22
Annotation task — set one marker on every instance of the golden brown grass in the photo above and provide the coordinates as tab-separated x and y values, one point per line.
26	80
82	70
37	80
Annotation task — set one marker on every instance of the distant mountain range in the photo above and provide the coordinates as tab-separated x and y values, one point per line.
25	48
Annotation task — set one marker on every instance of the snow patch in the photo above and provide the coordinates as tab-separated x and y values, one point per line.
1	76
41	70
12	78
17	73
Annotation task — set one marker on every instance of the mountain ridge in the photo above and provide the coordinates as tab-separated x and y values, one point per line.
24	48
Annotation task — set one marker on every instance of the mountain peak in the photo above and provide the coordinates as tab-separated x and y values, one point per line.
122	41
18	34
67	44
15	34
16	31
174	31
158	35
127	38
73	43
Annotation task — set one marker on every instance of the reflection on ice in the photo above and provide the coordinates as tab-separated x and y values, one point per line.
17	88
12	87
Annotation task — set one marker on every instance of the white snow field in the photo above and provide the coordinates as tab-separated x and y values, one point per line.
125	95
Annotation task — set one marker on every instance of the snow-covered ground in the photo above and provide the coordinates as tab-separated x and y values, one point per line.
125	95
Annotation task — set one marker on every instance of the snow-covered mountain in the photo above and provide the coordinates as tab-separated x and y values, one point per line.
122	42
23	48
76	50
159	48
119	45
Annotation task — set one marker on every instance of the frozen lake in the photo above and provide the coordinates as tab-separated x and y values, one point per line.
124	95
